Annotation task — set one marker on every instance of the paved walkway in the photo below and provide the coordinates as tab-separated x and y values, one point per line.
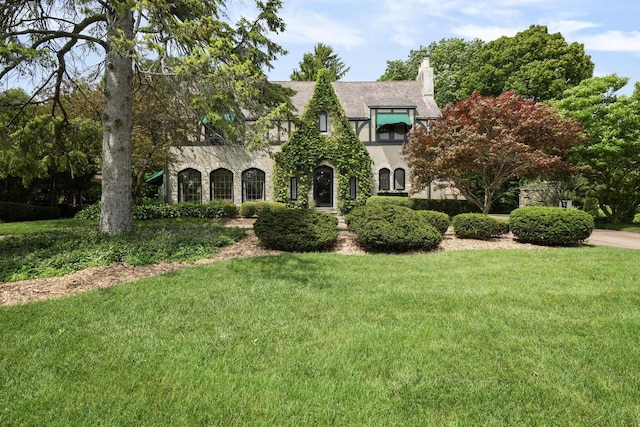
619	239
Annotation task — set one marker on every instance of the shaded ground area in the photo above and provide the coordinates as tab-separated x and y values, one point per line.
101	277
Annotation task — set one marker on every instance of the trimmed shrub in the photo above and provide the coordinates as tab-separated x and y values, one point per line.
15	212
264	207
391	200
158	210
475	226
543	225
449	206
390	228
248	209
503	227
297	230
230	210
439	220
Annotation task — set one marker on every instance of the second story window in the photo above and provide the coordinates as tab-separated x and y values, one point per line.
323	122
392	127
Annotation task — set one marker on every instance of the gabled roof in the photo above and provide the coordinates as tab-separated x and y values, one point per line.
357	97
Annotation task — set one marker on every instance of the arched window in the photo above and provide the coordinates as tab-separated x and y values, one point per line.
190	186
252	185
222	185
323	121
398	179
384	177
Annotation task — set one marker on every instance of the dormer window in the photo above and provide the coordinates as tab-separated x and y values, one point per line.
393	127
323	121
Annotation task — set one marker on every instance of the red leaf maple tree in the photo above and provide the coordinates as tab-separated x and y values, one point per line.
482	142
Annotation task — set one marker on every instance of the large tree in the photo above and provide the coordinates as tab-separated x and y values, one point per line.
322	56
533	63
611	151
448	57
54	41
482	142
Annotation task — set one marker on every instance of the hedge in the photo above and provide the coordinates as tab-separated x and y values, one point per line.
157	210
15	212
475	226
448	206
439	220
253	209
297	230
390	228
550	226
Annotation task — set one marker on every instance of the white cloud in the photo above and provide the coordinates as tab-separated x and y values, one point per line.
485	33
568	27
613	41
304	27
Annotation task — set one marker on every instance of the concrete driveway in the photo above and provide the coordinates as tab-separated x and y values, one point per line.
619	239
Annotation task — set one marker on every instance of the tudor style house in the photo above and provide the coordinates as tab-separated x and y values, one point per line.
380	114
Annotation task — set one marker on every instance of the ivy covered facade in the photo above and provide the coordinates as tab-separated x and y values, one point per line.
343	146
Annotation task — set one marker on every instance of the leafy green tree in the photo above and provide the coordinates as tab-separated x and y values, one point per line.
481	143
611	151
323	56
533	63
448	57
188	38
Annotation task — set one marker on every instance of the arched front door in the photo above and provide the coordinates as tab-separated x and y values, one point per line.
323	186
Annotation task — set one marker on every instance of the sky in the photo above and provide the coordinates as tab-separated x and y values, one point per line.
367	33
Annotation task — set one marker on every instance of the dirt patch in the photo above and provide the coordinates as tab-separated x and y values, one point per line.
101	277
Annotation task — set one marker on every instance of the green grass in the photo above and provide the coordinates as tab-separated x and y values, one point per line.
52	248
549	337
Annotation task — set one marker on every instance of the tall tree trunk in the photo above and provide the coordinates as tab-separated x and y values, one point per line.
115	215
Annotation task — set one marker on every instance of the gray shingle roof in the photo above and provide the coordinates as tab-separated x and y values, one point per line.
357	97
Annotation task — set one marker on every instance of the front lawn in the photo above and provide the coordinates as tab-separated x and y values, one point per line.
548	337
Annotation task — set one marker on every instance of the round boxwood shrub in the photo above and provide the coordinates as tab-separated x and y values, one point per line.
475	226
543	225
391	228
297	230
248	209
439	220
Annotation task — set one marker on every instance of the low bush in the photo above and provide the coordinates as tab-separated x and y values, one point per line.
157	210
253	209
391	200
448	206
297	230
230	210
439	220
475	226
543	225
390	228
14	212
503	227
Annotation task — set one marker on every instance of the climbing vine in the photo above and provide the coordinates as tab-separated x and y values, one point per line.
307	148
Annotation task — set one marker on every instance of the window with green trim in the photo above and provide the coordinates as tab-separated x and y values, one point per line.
395	132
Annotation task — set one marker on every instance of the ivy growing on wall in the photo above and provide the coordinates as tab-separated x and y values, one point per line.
307	148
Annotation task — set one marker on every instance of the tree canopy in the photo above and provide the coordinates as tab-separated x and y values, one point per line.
533	63
482	142
322	56
448	58
611	151
222	62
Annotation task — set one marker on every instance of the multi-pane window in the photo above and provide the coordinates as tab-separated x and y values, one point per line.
396	132
253	182
398	179
384	178
190	186
222	185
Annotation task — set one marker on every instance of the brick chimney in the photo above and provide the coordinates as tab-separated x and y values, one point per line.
425	77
